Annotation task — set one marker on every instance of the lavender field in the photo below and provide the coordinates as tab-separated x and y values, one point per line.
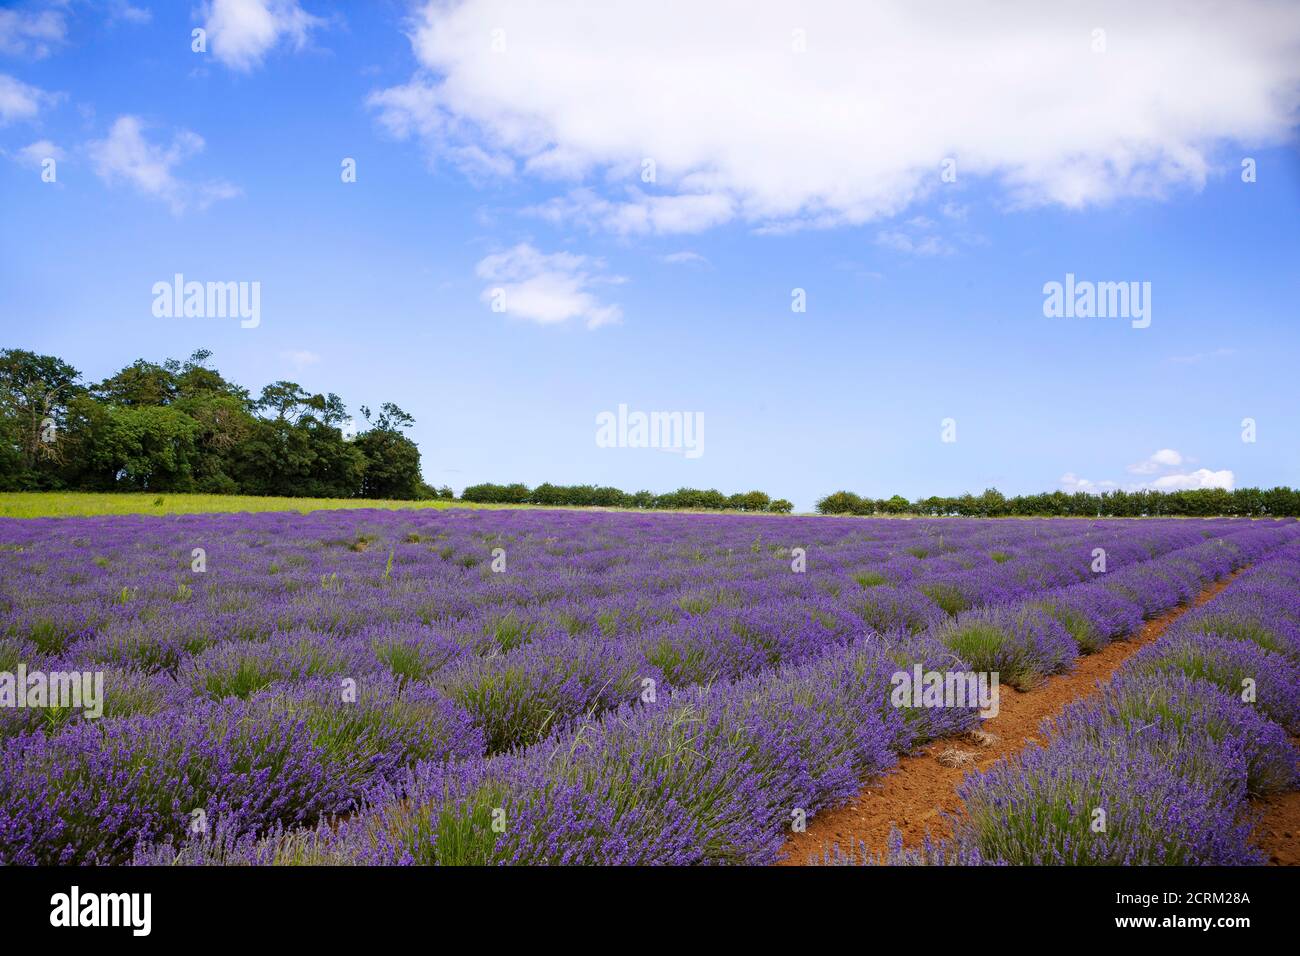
529	687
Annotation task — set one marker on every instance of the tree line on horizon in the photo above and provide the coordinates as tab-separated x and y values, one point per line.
182	427
1277	502
707	499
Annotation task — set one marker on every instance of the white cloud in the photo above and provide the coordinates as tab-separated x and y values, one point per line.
412	111
242	32
1072	482
854	129
32	33
36	153
640	213
19	101
1201	478
1199	357
123	10
409	110
919	236
300	358
1164	458
127	156
684	258
900	241
547	289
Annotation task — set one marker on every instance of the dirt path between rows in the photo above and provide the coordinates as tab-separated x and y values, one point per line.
915	796
1278	830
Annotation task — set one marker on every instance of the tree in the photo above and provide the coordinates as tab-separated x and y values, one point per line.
34	394
306	459
140	385
287	400
390	418
392	465
147	448
840	503
992	503
392	461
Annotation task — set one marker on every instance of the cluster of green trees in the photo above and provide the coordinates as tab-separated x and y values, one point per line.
1202	502
181	426
590	495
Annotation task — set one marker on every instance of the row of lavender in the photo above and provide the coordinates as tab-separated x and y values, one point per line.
702	774
585	611
1160	767
128	583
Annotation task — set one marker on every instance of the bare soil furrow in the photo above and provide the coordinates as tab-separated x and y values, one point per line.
921	792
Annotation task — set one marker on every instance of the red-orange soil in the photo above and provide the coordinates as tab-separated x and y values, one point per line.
1278	831
915	796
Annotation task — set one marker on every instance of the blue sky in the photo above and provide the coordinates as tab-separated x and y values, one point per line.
514	161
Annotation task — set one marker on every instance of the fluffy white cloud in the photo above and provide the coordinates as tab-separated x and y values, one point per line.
31	33
242	32
19	101
740	125
547	289
1164	458
1201	478
127	156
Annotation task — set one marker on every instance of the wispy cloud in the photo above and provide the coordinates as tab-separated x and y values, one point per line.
126	155
20	101
639	213
126	12
1200	357
34	154
300	358
30	32
684	258
1072	482
547	288
913	245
